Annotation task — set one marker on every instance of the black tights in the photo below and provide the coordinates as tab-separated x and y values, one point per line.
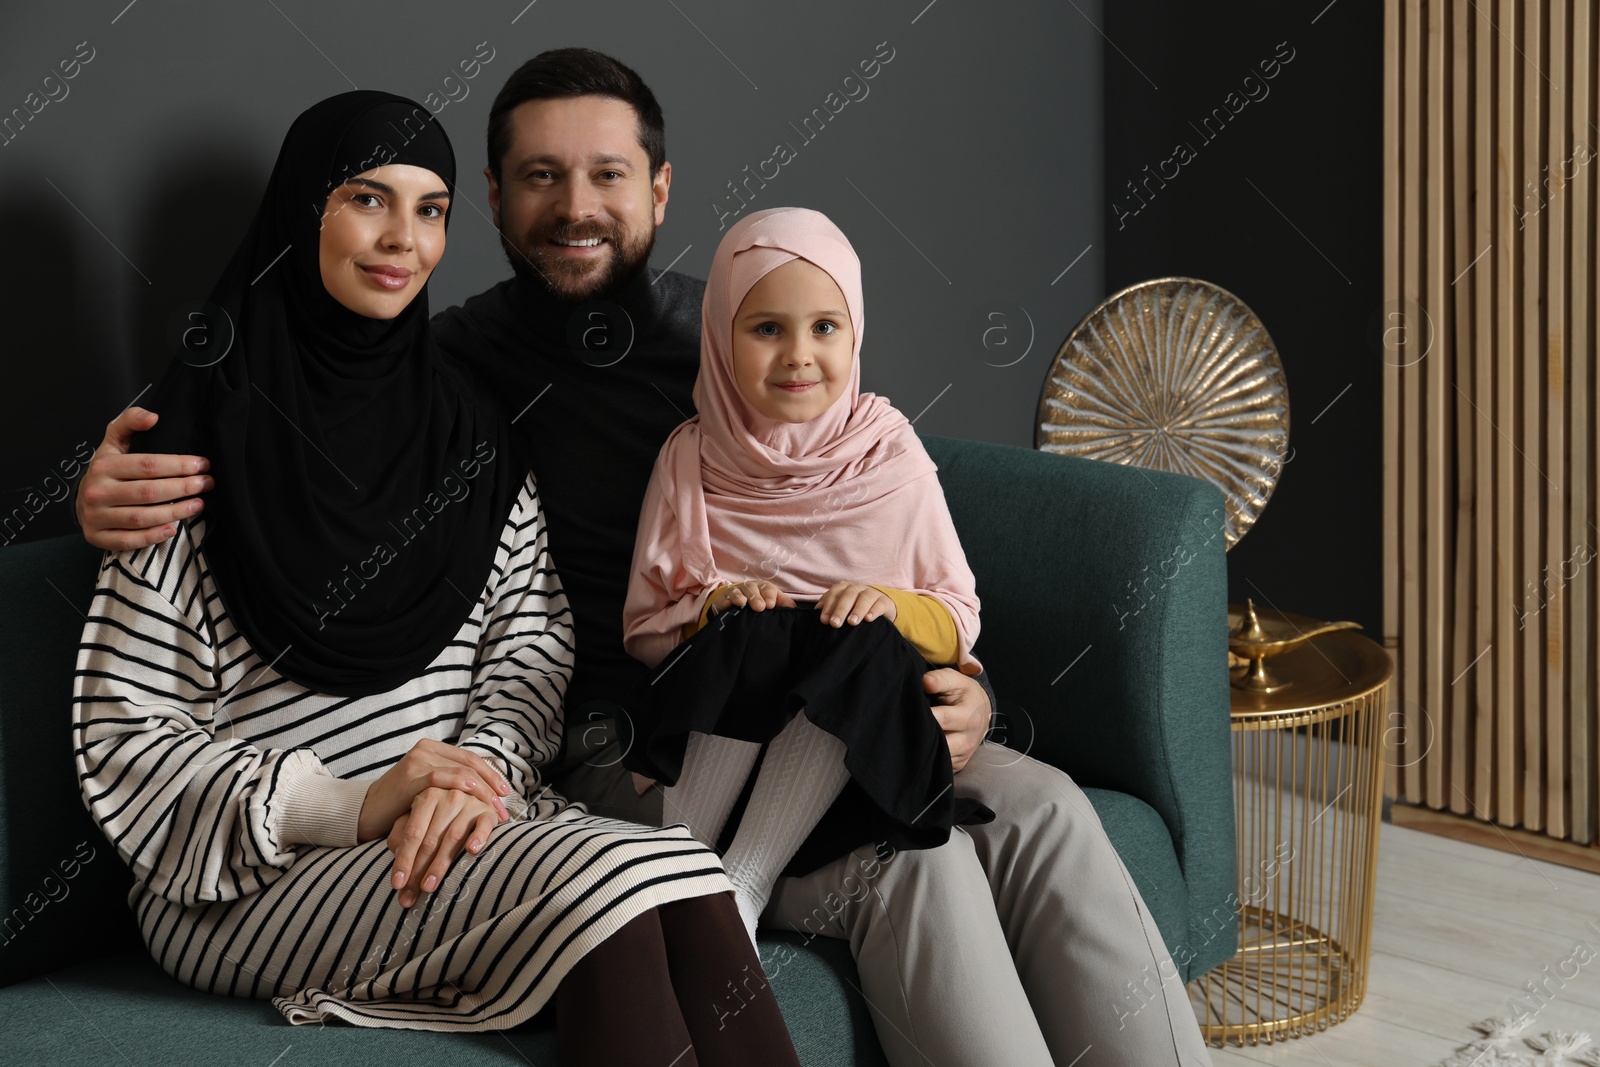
656	993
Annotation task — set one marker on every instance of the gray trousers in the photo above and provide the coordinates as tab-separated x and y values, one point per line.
1012	944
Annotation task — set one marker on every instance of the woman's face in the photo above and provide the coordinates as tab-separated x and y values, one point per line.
792	343
382	235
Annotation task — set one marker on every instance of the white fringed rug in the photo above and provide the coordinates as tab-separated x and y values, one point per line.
1505	1043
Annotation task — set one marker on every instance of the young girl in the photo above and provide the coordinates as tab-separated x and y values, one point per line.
795	540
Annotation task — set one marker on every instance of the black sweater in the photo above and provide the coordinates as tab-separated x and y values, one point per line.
602	405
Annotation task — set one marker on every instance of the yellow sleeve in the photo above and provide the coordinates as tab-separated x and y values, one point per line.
926	623
692	628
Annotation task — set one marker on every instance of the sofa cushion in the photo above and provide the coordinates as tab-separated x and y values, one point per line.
123	1009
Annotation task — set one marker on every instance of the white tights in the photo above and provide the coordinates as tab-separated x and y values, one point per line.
801	776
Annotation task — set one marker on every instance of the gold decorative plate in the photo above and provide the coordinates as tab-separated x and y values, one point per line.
1174	374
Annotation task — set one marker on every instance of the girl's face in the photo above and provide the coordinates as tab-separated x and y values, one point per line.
382	235
792	343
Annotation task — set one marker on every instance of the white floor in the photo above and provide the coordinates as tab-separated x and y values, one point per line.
1456	931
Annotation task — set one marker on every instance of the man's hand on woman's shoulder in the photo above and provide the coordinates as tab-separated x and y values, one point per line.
128	500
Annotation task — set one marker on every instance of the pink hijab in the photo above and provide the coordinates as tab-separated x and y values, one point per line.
735	496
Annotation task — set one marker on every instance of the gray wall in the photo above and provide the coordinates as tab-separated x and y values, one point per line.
968	178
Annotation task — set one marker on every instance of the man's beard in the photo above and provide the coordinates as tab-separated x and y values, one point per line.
573	281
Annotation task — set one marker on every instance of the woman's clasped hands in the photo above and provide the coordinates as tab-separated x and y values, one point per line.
436	800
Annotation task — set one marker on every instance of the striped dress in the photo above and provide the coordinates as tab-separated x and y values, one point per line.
233	794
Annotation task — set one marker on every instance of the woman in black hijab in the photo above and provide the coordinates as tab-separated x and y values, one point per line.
362	649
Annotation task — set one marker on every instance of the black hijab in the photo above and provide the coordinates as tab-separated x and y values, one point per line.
361	487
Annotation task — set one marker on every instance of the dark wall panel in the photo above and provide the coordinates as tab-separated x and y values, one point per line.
1243	146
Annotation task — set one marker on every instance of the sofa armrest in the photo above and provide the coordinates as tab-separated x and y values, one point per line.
1104	592
63	889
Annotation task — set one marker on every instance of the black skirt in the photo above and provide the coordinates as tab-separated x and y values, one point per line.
747	673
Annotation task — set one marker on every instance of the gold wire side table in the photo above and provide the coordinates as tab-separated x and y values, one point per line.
1308	801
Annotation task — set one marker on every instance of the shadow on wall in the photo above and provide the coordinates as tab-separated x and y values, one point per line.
90	333
194	221
52	321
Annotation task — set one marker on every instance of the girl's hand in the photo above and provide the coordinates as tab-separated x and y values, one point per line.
758	596
427	839
855	603
429	765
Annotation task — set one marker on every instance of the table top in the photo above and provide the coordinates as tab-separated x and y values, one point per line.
1326	671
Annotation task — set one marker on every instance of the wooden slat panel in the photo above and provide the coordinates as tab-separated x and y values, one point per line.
1411	623
1394	329
1529	475
1582	520
1507	583
1459	717
1553	407
1492	483
1437	372
1483	275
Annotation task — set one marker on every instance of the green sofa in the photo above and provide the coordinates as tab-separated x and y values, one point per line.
1104	625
